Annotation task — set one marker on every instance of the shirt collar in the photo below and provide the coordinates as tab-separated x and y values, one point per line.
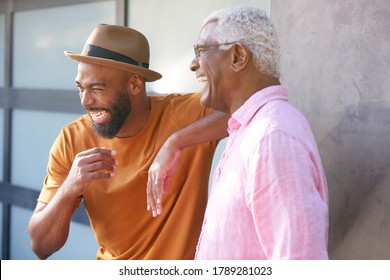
245	113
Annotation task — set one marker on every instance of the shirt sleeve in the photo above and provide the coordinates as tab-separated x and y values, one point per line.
58	168
186	108
283	194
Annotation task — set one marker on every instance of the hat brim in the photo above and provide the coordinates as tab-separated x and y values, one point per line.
148	74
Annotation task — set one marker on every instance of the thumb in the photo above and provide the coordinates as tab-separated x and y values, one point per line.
167	185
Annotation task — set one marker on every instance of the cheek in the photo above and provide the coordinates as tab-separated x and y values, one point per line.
216	86
215	77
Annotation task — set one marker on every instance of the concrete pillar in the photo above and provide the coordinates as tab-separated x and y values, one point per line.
336	65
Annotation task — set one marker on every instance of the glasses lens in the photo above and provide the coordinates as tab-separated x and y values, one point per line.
196	51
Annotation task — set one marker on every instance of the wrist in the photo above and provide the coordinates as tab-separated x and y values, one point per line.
69	191
174	142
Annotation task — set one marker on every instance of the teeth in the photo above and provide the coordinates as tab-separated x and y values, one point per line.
100	114
202	79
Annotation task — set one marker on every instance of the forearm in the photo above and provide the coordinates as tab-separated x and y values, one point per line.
210	128
49	224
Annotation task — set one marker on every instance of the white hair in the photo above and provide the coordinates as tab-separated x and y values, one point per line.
252	27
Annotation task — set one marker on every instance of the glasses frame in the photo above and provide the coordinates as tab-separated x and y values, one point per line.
204	47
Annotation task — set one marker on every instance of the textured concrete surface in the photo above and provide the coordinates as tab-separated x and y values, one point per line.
336	65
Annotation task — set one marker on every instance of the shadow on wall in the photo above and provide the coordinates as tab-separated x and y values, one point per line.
357	164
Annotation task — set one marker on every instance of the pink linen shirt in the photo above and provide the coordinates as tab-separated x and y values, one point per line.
269	198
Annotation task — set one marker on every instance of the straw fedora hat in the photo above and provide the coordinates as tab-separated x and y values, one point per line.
119	47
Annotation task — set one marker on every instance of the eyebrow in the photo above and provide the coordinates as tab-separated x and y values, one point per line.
200	43
92	84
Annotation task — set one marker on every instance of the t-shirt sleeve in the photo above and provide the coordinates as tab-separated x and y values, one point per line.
58	168
187	109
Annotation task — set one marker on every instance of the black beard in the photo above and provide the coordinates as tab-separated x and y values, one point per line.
119	113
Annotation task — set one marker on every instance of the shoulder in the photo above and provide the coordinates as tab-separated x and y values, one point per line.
82	124
182	106
77	133
175	99
178	110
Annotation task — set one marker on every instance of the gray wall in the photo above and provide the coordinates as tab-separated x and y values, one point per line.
336	65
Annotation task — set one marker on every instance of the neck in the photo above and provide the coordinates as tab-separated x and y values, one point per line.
249	86
137	118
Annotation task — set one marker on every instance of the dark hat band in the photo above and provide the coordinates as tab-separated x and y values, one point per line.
99	52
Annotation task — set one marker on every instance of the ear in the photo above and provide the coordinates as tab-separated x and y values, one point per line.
135	84
241	57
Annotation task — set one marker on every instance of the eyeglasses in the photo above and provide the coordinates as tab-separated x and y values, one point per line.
199	49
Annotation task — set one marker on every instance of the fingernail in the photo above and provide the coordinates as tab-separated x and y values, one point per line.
113	153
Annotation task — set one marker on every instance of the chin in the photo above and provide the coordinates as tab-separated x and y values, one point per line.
204	101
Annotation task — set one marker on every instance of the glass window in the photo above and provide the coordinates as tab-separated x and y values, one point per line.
171	43
80	245
20	248
33	134
1	224
2	49
42	36
1	144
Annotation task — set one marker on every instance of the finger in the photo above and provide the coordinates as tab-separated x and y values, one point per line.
167	185
147	202
159	206
98	175
151	205
98	150
157	194
100	166
99	157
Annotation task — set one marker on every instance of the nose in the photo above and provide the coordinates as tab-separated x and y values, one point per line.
86	98
194	65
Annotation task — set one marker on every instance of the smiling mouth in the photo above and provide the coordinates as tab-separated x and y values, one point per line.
98	116
202	79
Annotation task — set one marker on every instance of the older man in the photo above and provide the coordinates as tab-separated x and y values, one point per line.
269	198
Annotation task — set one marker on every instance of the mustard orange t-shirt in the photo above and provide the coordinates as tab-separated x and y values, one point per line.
116	206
